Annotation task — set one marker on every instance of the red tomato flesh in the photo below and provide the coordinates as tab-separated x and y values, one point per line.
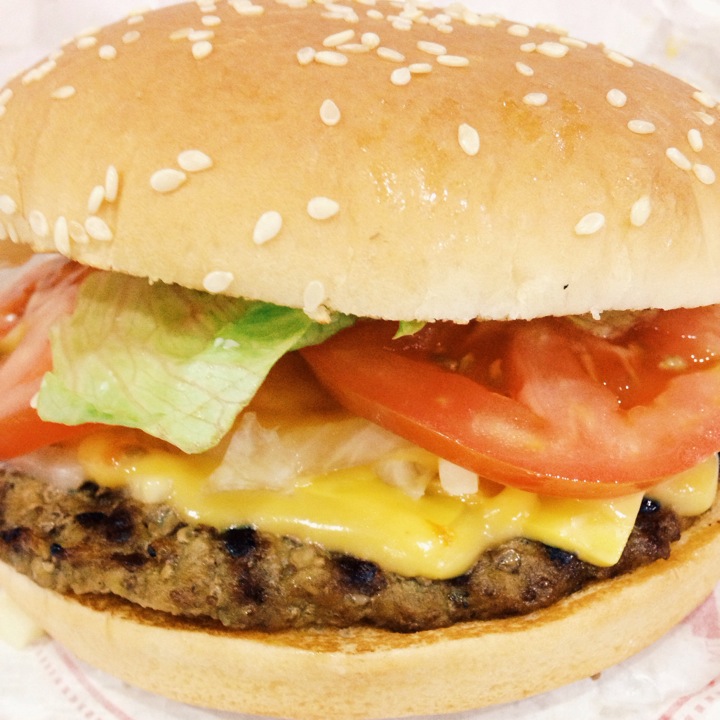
28	308
544	405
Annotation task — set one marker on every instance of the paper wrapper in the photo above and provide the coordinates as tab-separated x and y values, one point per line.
678	678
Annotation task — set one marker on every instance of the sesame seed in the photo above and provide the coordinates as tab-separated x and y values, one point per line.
640	211
322	208
371	39
524	69
12	233
112	183
641	127
453	61
135	19
61	236
374	14
446	29
489	21
39	72
573	42
98	229
552	28
552	49
130	37
471	18
705	99
5	96
678	158
86	42
180	34
77	232
107	52
92	30
329	113
194	160
420	68
528	47
7	205
704	173
305	55
198	35
619	58
211	20
389	54
469	139
96	199
411	12
695	139
167	180
353	48
39	224
432	48
536	99
705	117
338	38
331	57
248	9
400	76
341	12
517	30
313	296
590	224
202	49
617	98
400	23
267	227
217	281
441	19
63	93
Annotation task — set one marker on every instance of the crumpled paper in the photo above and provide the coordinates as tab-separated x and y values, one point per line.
677	678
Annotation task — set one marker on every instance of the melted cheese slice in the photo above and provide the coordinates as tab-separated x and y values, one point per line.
354	511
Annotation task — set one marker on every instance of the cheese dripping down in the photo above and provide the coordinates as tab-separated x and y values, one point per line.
296	463
354	510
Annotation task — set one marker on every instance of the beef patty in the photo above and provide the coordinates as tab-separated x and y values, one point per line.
99	541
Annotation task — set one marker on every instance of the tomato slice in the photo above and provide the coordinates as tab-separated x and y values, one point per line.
28	308
545	405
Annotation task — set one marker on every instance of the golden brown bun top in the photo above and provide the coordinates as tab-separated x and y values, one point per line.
379	160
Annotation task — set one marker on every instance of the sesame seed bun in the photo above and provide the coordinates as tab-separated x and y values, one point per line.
334	158
369	673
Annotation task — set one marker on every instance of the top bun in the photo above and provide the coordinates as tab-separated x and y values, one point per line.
382	160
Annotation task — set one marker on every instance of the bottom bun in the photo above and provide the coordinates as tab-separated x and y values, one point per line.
369	673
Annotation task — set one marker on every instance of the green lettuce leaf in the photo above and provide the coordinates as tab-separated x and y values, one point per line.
408	327
179	364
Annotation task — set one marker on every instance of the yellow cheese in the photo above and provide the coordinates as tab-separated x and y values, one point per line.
691	492
354	511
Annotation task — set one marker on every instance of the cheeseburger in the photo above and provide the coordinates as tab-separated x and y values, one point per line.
371	365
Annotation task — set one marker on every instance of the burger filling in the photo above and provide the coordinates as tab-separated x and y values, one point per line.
242	462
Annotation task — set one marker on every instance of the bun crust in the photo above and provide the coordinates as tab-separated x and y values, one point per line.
537	222
368	673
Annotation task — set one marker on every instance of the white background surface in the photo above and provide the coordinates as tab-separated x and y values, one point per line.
678	678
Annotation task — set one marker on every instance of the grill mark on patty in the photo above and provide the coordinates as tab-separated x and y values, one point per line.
97	540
